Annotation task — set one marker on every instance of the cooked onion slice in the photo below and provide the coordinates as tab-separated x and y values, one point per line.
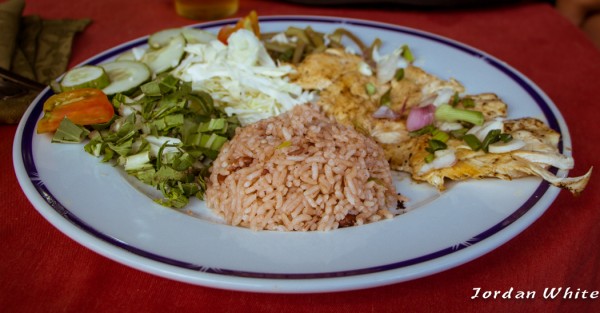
386	112
443	158
503	147
420	117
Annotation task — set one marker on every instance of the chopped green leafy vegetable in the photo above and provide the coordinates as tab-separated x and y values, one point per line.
407	53
423	131
491	137
167	136
472	141
459	133
429	158
440	135
386	98
370	88
435	145
69	132
455	99
399	75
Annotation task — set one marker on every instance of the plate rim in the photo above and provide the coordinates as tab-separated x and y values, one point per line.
60	217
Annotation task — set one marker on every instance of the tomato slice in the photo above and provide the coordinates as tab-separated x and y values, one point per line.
85	106
250	22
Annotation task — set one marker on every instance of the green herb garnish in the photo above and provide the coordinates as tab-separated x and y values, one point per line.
170	139
447	113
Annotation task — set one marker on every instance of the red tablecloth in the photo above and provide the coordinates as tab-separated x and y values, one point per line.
42	270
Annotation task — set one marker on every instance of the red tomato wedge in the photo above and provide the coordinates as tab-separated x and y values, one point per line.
85	106
250	22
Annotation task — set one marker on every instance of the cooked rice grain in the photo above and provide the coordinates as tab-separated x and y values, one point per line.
301	172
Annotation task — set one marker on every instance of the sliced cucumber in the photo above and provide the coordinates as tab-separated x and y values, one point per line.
194	35
135	54
126	56
167	57
87	76
125	76
163	37
191	35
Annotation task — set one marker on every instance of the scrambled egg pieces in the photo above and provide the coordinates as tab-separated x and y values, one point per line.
352	95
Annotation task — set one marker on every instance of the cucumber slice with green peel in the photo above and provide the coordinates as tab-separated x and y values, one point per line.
167	57
163	37
194	35
125	76
87	76
191	35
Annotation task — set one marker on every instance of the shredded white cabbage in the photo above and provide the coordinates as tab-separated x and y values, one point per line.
388	64
241	77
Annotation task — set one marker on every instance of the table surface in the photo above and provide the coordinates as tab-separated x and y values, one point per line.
43	270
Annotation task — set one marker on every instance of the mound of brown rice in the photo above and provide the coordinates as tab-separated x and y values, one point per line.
301	171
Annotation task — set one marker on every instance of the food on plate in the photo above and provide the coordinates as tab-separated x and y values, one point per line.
85	106
159	131
532	148
429	127
248	22
166	137
172	105
241	77
303	130
301	171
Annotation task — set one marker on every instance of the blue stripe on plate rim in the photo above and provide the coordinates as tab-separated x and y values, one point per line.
30	167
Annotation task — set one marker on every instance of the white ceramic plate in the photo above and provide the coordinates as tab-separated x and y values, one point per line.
95	205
